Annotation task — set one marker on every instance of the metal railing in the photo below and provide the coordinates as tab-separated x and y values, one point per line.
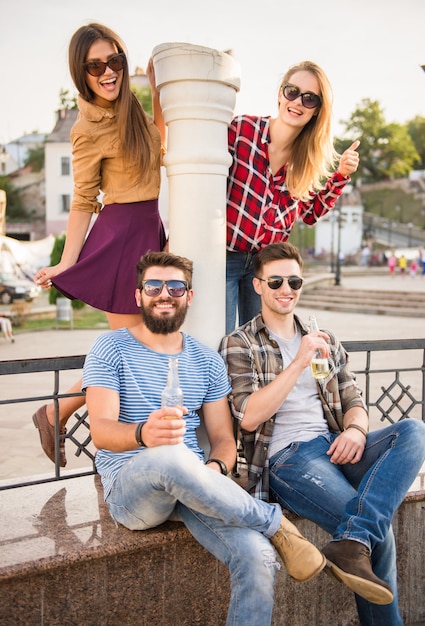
78	433
392	392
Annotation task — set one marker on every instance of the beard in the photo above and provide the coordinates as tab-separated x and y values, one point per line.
163	325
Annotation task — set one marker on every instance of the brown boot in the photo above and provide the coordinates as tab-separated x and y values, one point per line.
47	436
303	561
349	562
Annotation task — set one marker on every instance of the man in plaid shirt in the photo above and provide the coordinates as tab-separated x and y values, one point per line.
307	443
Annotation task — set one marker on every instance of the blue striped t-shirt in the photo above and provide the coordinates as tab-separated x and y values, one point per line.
120	362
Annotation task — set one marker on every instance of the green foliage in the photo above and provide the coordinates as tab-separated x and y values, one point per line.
55	257
144	96
35	158
14	209
399	155
302	236
387	151
416	128
66	100
393	204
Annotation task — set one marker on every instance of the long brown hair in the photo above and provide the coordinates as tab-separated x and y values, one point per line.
132	122
313	156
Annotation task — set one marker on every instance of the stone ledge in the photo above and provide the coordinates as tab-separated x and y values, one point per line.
73	522
65	562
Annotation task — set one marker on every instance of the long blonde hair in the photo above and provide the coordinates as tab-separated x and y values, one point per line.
313	156
132	121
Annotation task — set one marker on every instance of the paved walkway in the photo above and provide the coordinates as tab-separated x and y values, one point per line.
20	452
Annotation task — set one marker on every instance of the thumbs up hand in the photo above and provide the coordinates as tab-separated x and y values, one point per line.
349	161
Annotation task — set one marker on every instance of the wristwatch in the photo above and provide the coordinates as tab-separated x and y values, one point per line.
222	464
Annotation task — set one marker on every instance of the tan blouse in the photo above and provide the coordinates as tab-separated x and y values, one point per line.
98	164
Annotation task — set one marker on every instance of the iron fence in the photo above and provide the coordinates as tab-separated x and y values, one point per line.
391	374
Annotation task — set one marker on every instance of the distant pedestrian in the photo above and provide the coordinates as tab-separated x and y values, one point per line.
422	258
402	263
364	260
392	262
6	327
413	268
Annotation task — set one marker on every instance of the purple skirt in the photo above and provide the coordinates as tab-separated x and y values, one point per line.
105	275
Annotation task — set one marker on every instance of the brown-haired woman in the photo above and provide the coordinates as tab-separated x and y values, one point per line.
117	153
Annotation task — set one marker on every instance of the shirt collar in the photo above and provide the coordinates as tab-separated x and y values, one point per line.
259	325
93	112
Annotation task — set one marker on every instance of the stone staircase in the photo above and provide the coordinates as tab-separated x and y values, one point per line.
337	298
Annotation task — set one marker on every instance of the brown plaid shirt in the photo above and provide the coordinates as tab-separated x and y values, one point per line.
253	360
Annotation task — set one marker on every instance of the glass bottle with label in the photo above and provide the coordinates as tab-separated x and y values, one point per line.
319	364
172	394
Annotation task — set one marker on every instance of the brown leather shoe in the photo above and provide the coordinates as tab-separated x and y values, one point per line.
303	561
47	436
349	562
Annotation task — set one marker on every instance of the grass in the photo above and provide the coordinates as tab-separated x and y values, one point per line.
394	204
85	318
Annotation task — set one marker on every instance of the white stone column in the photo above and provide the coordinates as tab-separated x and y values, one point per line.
198	92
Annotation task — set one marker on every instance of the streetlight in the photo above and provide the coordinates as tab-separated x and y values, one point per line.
332	221
338	252
339	220
410	226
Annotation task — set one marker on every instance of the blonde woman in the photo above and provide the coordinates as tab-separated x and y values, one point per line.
276	177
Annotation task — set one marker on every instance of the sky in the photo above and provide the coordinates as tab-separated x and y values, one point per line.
368	48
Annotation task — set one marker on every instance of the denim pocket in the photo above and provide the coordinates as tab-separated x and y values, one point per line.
281	457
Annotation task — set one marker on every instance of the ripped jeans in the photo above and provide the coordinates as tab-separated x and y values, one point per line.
355	501
172	483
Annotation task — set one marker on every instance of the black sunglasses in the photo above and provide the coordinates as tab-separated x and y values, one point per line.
309	99
175	288
97	68
274	282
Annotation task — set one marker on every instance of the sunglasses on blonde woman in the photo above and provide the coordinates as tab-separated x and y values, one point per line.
98	68
309	99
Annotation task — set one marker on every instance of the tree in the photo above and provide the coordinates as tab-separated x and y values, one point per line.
416	128
387	150
14	209
398	154
35	158
144	96
66	100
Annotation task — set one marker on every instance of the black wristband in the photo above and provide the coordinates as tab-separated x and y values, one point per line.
222	464
139	434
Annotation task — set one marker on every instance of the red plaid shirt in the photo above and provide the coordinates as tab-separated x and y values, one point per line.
260	209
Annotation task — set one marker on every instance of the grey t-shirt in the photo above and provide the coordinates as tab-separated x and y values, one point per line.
300	417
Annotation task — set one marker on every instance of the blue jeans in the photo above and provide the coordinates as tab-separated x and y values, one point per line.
355	501
172	483
240	294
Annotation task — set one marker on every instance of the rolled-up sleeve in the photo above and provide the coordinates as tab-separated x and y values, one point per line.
87	168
